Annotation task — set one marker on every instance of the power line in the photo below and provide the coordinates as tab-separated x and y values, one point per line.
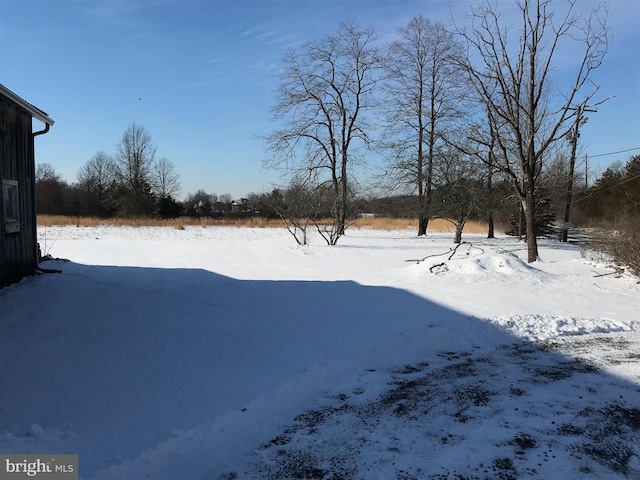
594	189
614	153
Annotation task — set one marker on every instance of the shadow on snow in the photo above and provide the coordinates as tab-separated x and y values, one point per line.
119	357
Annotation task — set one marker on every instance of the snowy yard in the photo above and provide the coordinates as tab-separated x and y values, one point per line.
230	353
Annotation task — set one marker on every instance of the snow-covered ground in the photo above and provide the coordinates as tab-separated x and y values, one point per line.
222	353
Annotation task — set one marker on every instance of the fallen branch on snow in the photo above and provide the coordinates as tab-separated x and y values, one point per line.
436	266
452	252
617	271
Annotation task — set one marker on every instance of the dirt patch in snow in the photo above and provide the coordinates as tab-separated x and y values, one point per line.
524	410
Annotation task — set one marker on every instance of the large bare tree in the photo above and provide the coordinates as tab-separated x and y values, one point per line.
325	88
134	161
512	68
166	180
425	94
96	178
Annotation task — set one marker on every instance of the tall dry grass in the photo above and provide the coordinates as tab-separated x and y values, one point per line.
374	223
436	225
48	220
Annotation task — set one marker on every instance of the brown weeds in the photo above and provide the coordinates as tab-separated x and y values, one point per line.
623	244
374	223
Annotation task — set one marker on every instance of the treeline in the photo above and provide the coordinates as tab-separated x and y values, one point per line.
55	196
614	200
131	182
612	206
100	191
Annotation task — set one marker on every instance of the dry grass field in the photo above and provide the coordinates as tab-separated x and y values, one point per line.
375	223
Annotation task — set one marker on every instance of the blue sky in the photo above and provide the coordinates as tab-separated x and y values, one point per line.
200	75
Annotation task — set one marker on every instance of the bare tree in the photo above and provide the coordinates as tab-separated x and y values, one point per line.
50	190
296	205
166	180
200	204
489	193
513	81
96	178
425	94
226	198
134	160
459	188
325	89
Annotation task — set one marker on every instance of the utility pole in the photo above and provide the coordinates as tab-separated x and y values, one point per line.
573	136
586	172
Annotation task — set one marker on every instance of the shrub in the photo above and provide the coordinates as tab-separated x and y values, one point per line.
623	244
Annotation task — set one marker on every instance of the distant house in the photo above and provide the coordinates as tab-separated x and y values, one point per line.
18	241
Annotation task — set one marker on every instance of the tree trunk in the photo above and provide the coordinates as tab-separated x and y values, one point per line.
458	236
344	192
423	222
490	233
423	218
426	190
530	220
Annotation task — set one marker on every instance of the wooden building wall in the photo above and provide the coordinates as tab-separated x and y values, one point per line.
18	250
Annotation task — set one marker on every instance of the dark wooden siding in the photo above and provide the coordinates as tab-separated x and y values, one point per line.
19	250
